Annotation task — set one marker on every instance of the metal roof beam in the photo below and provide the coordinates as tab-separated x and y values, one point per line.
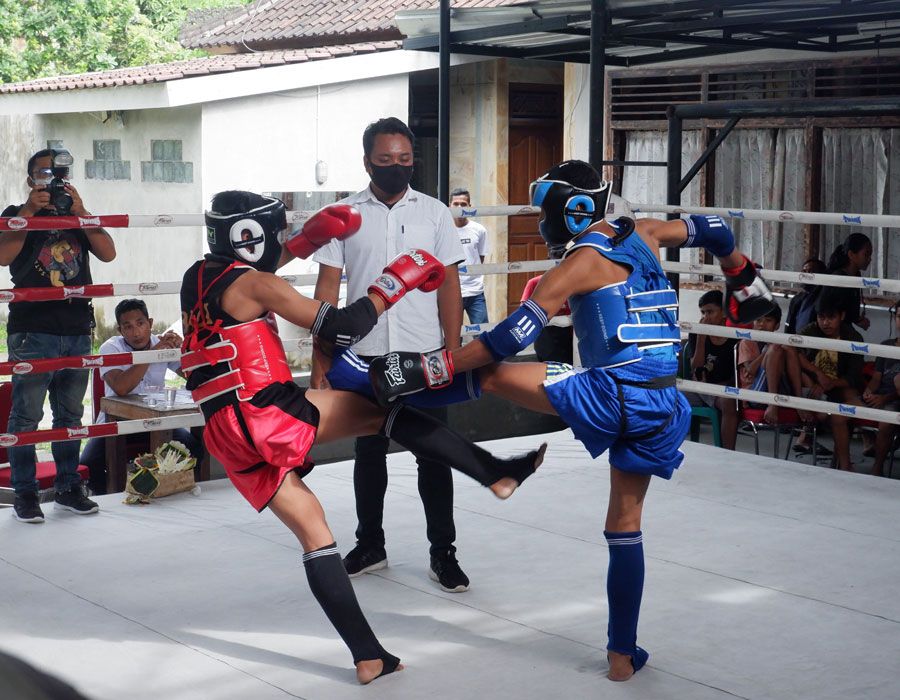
871	106
842	15
746	44
531	26
677	55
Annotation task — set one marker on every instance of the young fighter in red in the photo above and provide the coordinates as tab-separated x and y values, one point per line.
261	425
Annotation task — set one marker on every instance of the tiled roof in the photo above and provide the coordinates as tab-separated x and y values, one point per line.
309	22
223	63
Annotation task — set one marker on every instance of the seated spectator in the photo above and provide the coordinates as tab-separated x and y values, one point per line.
712	361
134	323
767	366
554	344
883	391
832	375
850	258
802	309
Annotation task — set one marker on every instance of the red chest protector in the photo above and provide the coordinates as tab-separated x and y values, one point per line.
252	352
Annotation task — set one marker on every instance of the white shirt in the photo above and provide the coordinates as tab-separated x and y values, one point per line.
416	221
154	376
473	238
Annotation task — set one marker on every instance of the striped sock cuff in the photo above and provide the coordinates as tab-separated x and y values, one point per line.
325	551
614	539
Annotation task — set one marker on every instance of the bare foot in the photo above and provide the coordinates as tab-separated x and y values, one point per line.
620	667
505	487
770	415
367	671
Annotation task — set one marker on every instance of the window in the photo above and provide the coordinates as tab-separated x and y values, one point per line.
166	164
107	163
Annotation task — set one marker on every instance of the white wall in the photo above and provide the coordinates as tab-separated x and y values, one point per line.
142	254
270	143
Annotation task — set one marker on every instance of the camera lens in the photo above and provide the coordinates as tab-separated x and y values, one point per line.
59	198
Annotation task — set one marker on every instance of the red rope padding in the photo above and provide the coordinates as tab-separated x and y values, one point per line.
75	362
56	293
32	437
49	223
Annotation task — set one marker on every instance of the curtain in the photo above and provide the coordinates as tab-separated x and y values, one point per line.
861	174
648	184
764	169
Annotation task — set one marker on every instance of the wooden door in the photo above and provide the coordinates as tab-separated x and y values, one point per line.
533	150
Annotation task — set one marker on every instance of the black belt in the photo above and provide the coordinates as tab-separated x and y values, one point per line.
664	382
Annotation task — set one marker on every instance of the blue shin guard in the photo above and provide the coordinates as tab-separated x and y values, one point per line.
349	372
624	589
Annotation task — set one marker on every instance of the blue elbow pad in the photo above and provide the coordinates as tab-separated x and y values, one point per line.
710	232
516	332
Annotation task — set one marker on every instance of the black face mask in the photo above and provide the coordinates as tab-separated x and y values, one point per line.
391	179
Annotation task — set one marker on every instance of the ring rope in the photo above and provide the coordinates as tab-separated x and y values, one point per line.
815	405
160	288
793	340
125	427
43	223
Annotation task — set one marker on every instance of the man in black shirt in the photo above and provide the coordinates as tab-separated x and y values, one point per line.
712	361
49	329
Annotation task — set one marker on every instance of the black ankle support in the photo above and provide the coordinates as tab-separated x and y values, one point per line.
331	586
427	437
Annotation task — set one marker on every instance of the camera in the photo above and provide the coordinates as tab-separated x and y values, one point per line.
61	200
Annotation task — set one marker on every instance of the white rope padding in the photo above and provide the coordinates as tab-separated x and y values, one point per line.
795	402
795	340
299	217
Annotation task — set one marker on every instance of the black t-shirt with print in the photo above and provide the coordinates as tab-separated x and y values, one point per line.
51	259
718	365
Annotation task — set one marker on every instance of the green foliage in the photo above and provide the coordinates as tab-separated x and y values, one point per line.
41	38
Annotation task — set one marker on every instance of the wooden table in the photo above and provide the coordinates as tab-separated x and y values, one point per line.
132	407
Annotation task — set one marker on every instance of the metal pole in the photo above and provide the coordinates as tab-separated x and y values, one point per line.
673	180
597	83
444	105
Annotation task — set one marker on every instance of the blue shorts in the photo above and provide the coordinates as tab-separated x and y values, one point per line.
643	441
349	372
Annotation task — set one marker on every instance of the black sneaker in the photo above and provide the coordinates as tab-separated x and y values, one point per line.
445	570
74	500
27	508
363	559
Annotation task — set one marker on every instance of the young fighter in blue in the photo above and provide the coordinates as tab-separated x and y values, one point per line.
624	398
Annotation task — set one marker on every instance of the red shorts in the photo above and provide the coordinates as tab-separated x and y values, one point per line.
280	430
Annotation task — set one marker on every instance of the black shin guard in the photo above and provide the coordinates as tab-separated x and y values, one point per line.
427	437
331	586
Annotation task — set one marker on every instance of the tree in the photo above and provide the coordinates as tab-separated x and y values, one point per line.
41	38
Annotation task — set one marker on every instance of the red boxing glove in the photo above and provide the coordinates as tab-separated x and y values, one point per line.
414	269
336	221
747	296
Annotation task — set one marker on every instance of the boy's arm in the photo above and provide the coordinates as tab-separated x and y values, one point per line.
579	273
747	297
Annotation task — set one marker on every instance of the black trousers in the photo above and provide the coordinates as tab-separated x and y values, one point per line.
370	484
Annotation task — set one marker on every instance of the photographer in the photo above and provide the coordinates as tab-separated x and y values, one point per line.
50	329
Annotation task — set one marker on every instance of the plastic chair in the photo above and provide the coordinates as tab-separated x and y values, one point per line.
699	413
754	419
45	472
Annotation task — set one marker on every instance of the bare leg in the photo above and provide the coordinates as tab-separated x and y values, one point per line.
299	509
626	504
774	363
729	422
519	382
883	440
840	429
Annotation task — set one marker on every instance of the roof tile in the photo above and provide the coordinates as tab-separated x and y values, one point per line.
222	63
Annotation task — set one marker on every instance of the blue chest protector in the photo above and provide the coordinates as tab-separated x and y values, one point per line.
621	323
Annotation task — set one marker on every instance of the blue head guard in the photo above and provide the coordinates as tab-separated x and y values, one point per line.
568	211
